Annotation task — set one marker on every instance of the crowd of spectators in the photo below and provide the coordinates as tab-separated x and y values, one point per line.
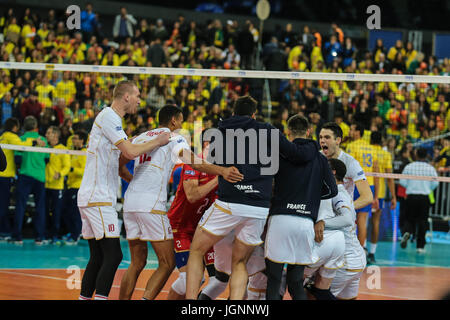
404	113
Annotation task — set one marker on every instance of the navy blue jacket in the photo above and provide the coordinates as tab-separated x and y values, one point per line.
256	189
299	188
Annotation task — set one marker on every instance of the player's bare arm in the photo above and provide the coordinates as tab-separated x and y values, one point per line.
124	173
366	196
132	151
231	174
194	192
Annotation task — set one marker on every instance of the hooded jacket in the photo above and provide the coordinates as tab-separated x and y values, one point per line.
256	188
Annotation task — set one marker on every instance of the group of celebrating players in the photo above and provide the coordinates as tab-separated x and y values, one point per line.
244	226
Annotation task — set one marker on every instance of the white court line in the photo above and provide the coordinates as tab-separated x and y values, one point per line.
414	264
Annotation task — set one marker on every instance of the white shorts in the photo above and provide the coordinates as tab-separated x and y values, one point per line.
220	221
331	254
257	286
290	239
99	222
222	257
147	226
345	284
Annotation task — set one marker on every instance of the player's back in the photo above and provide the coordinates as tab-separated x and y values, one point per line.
184	215
365	154
354	253
100	180
147	191
384	163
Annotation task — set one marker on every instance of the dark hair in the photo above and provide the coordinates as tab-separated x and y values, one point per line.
10	123
333	126
82	135
298	124
245	106
421	153
56	130
375	138
30	123
339	167
359	127
167	112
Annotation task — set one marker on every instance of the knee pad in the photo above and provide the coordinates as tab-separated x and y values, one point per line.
214	288
179	285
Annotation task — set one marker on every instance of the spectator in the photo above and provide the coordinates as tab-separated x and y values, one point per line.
123	25
31	107
56	169
378	50
31	180
232	57
349	53
160	30
9	136
70	212
288	36
337	32
393	51
156	55
88	22
8	108
308	40
332	50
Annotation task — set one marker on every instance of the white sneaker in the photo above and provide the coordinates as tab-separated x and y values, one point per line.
421	250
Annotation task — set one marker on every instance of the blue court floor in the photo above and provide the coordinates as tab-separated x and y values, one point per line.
30	256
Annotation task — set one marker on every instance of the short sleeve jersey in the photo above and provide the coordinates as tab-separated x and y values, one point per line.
100	181
354	172
183	215
147	191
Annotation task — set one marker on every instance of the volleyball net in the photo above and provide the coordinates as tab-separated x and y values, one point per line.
407	112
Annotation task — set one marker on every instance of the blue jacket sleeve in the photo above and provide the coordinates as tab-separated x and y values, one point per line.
329	186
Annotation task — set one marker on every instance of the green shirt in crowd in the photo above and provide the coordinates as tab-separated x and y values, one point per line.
33	163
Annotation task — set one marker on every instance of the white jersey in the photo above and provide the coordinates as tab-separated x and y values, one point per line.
101	174
354	172
147	191
355	257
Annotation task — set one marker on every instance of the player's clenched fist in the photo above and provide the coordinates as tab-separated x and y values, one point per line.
232	174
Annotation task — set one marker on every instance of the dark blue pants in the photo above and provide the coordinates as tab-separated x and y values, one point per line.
25	186
71	213
53	205
5	197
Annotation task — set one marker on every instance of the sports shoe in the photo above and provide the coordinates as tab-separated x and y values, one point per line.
421	250
57	241
70	242
41	242
5	239
404	242
371	258
16	242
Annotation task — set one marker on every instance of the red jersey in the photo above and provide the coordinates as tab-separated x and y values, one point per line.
183	215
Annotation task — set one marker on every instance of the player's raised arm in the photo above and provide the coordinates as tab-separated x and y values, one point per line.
132	151
231	174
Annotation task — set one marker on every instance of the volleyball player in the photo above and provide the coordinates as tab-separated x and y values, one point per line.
195	193
244	207
367	156
330	138
345	283
145	202
97	193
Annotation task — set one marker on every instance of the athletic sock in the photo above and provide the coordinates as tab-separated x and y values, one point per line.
83	298
373	248
100	297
